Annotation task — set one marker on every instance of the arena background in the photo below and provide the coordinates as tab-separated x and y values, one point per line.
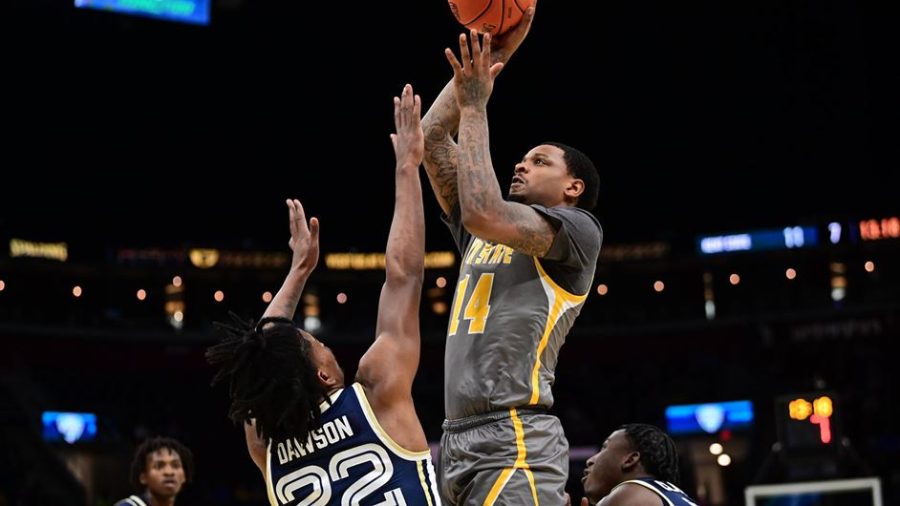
136	150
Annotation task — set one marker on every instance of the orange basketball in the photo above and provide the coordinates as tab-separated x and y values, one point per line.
489	16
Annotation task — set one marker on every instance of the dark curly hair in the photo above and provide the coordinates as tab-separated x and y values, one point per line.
270	375
139	463
658	453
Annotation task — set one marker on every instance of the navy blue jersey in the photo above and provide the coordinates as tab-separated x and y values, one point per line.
669	493
134	500
349	460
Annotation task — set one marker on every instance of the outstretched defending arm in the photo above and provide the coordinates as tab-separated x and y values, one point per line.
304	243
389	366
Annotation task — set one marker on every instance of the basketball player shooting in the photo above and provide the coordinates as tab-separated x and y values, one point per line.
527	265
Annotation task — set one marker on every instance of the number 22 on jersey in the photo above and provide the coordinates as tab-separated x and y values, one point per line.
338	469
478	306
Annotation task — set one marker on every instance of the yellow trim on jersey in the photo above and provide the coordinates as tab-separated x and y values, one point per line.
423	482
552	318
530	477
270	491
381	433
521	463
498	486
562	300
522	452
556	287
648	487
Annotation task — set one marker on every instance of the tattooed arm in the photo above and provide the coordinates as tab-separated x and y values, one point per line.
484	212
441	122
440	125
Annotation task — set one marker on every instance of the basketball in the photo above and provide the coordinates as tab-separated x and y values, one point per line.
489	16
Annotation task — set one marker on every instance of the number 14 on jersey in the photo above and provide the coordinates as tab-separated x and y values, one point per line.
478	306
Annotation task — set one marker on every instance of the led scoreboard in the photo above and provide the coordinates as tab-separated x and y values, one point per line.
807	421
759	240
802	236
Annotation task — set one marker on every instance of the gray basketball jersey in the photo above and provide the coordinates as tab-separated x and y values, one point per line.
511	313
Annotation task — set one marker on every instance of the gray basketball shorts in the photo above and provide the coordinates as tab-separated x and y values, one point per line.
513	457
